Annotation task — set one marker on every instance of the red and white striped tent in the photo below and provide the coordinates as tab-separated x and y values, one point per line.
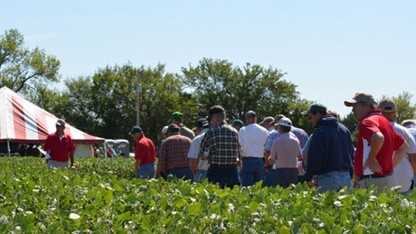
23	122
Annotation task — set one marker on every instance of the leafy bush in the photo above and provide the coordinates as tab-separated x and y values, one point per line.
103	196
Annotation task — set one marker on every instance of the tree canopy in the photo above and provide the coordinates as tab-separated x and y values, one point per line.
104	103
238	90
24	70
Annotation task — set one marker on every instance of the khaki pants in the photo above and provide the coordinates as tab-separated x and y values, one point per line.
57	164
381	184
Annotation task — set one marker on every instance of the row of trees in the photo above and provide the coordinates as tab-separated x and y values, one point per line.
104	104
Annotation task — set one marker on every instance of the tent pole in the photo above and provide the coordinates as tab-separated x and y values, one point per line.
105	149
8	147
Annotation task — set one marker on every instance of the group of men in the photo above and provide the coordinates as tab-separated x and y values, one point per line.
276	152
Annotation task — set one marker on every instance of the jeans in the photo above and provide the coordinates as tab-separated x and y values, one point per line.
333	181
146	171
282	177
225	176
183	172
200	175
252	172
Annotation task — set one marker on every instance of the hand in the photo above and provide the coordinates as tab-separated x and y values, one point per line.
355	181
240	165
373	165
267	163
312	183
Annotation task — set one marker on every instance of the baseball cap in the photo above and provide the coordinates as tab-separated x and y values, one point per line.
268	119
238	122
60	123
409	122
285	122
314	108
176	115
201	122
173	128
387	105
135	129
361	97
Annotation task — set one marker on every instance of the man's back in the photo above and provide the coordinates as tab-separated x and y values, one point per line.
174	151
252	139
403	172
222	141
331	148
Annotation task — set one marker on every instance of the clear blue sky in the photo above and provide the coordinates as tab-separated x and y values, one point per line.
330	49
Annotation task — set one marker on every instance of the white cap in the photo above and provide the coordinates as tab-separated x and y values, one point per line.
285	122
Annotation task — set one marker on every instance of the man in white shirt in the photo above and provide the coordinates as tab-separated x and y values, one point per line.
403	173
199	166
411	125
252	138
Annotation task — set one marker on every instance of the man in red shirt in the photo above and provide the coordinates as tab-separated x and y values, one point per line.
59	147
376	143
144	153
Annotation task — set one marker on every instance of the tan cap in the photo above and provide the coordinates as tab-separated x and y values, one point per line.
409	122
361	97
387	105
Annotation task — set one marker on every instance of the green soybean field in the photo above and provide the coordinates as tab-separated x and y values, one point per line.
102	196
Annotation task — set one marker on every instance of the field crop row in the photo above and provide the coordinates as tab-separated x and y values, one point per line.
102	196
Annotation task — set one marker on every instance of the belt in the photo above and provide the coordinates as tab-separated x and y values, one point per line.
374	176
249	157
342	170
225	166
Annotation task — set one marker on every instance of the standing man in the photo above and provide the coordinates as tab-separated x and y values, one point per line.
268	123
177	118
411	125
376	143
198	165
173	159
144	153
252	138
330	153
403	172
284	157
222	149
59	147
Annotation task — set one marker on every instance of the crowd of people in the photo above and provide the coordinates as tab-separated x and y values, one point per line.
277	153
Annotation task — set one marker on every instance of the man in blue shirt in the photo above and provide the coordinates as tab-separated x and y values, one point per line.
330	152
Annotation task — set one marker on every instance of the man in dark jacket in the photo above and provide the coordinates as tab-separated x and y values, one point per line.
330	153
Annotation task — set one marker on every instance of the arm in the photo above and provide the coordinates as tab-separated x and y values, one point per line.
71	152
273	153
193	163
161	161
400	154
412	159
267	158
316	154
72	159
137	164
376	142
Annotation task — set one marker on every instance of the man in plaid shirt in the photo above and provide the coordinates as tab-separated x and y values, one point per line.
222	149
173	158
